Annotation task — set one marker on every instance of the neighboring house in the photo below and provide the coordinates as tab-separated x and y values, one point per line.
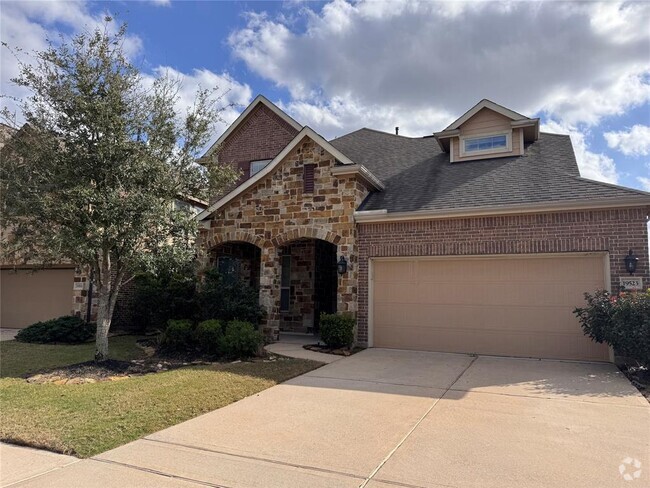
29	294
481	238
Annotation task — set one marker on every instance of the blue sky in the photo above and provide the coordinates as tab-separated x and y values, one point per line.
584	68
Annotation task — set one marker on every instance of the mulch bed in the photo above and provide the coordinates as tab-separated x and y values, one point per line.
343	351
639	377
113	370
110	370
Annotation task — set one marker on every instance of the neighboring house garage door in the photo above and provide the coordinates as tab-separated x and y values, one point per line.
511	305
30	297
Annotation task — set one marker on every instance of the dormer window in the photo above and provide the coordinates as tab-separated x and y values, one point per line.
257	166
493	143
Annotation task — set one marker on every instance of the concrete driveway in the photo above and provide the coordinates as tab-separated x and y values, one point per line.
386	419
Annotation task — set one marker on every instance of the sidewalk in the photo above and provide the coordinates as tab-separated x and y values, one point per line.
19	463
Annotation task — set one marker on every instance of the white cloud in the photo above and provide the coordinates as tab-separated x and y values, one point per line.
632	142
645	182
233	94
340	115
161	3
595	166
27	26
578	62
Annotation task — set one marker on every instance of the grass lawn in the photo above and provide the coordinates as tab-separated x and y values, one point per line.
87	419
18	358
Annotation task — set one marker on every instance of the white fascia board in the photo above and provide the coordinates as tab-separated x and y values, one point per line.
384	216
258	99
305	132
362	171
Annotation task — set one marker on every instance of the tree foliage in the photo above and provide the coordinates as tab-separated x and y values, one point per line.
92	174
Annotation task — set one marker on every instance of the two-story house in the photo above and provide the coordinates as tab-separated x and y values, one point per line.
480	238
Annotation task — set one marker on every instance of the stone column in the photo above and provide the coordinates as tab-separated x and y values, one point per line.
270	274
347	286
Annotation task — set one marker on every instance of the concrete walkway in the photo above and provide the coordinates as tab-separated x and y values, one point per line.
22	463
388	419
8	334
291	345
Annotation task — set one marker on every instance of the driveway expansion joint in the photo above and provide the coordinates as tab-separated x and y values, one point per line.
408	434
159	473
255	458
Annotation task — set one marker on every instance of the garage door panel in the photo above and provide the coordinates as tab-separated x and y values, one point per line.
27	297
482	319
398	292
487	293
509	306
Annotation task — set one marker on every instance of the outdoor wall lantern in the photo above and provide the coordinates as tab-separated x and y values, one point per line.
630	262
342	266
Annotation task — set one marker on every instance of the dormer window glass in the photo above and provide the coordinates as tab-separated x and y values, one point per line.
257	166
486	143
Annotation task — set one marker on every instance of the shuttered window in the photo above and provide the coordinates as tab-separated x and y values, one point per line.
308	178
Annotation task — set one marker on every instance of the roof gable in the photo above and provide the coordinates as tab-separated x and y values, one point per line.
305	132
260	99
485	103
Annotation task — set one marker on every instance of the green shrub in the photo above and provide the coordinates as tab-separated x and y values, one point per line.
622	321
337	330
228	300
178	337
240	340
158	299
208	335
68	329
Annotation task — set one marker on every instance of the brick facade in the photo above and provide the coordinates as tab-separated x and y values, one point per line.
276	211
262	135
613	231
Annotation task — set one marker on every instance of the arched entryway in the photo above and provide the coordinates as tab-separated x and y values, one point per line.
308	283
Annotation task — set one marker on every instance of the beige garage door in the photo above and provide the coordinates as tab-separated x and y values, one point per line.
511	306
26	298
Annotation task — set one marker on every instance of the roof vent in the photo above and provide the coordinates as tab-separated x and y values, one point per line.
396	131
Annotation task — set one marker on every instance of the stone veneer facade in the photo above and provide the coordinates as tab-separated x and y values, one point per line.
276	211
615	231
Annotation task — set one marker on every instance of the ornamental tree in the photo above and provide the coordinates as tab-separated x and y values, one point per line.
91	176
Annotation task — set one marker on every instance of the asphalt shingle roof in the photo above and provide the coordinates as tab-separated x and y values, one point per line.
418	176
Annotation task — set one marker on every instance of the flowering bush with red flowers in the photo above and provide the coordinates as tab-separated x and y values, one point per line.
621	321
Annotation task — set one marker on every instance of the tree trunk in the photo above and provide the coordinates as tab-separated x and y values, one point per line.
104	315
109	283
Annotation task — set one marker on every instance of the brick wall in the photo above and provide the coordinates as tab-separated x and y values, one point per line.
262	135
615	231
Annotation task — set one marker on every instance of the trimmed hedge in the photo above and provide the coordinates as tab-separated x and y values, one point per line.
178	337
208	336
337	330
67	329
621	321
241	340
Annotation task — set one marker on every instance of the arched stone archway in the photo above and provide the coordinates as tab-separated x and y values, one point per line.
305	232
217	238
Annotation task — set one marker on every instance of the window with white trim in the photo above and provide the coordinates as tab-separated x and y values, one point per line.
491	143
257	166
